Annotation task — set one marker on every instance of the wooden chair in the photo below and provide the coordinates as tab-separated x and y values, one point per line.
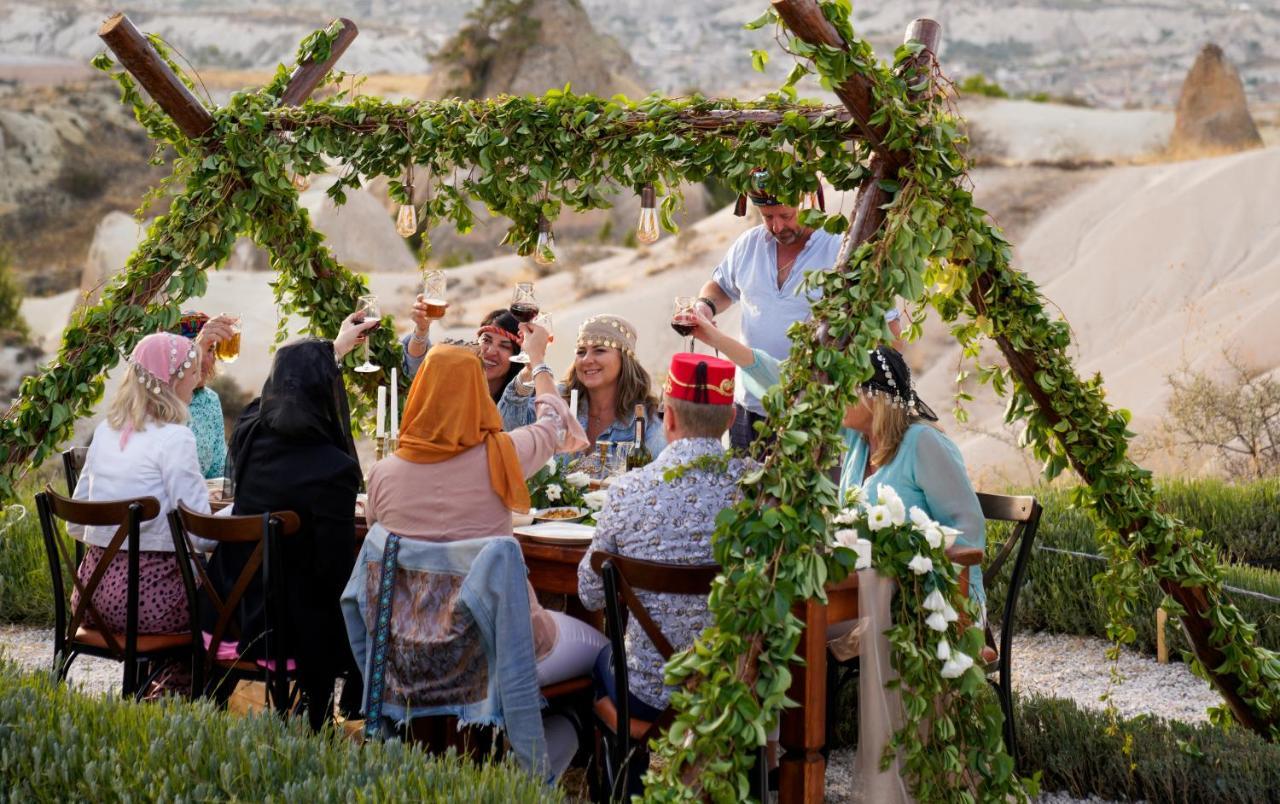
622	576
83	633
264	532
1025	513
72	463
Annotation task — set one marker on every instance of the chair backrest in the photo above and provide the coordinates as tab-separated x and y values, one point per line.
72	462
622	576
127	516
261	530
1025	513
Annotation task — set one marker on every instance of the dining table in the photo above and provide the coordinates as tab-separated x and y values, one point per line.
553	569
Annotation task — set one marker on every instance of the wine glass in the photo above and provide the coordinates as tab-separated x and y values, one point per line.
368	306
618	458
524	306
433	285
683	320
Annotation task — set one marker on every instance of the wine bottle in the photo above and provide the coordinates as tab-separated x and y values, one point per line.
639	454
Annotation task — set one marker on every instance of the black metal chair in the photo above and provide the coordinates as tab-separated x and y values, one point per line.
83	632
264	532
625	738
72	463
1025	513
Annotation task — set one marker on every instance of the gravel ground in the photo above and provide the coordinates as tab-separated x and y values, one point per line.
1059	666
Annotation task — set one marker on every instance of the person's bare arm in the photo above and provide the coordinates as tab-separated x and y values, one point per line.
706	331
421	327
715	293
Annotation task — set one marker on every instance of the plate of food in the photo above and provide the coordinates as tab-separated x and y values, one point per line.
558	532
563	513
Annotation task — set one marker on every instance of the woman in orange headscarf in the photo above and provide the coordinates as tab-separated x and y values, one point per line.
457	475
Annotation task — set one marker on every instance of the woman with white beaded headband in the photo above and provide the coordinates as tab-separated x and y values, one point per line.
610	382
890	439
145	449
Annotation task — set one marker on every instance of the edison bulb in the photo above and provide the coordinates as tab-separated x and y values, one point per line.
647	227
544	253
301	182
808	200
407	221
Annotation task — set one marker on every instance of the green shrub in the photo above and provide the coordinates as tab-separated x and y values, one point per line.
1077	750
1059	595
59	745
26	592
977	84
13	327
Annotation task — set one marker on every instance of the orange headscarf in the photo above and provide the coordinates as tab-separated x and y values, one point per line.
449	411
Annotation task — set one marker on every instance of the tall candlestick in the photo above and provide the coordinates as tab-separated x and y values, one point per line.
395	405
573	402
379	427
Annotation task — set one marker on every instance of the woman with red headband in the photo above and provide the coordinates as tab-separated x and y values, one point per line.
499	338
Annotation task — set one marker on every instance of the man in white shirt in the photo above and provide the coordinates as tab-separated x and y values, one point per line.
764	269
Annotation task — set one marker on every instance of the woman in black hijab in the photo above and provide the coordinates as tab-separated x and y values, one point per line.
292	451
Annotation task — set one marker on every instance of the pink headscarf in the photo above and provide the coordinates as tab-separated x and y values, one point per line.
159	359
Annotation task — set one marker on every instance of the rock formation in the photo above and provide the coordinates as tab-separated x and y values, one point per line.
1213	115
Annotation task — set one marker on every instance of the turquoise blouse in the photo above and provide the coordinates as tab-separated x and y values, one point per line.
927	471
211	432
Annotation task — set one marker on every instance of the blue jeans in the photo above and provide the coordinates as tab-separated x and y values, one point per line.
743	432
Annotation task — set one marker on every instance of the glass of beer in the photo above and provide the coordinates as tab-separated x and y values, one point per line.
228	350
433	285
368	306
683	320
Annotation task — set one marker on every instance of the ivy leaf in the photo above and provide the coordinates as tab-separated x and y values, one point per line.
759	59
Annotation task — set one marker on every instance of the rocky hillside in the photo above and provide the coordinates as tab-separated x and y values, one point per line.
1108	52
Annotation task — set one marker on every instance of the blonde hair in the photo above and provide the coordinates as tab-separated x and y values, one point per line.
889	423
136	406
634	386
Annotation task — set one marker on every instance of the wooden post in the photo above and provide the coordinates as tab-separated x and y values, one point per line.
308	75
142	61
802	772
1162	647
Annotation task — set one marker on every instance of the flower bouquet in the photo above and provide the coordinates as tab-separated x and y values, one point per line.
558	485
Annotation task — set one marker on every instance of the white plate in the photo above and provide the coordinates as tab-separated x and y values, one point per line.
558	532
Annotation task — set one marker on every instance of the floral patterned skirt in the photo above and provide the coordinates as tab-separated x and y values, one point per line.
162	599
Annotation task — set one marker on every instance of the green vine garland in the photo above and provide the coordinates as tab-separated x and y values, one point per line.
525	157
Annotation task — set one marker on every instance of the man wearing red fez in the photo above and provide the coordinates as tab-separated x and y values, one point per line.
764	269
647	516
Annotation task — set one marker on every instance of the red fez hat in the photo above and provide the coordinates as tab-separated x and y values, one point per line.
702	379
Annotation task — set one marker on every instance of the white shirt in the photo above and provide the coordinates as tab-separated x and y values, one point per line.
159	461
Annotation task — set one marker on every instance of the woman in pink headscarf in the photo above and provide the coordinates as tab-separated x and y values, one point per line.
145	449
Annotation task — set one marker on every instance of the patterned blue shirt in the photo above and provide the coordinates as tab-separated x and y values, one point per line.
650	518
211	432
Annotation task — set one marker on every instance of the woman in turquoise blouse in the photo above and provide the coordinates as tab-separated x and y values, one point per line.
206	406
889	440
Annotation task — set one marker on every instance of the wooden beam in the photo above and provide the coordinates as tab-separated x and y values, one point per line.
142	61
308	75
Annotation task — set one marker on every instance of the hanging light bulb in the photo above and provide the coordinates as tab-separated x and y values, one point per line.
301	182
407	219
808	200
647	227
544	253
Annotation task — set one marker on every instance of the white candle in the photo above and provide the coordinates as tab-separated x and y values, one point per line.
379	429
395	405
573	402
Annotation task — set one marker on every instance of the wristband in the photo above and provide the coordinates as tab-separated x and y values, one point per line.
541	368
426	337
710	304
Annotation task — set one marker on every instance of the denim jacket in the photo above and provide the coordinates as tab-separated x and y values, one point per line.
517	411
484	573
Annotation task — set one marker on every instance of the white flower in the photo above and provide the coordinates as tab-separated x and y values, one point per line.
920	564
854	497
957	665
944	650
878	517
553	491
935	601
863	548
577	479
845	537
552	466
595	499
949	535
890	499
949	613
936	622
933	535
847	516
920	519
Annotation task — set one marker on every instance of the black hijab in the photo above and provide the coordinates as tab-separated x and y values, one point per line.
303	401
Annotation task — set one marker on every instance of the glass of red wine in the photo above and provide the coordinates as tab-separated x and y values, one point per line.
524	306
683	320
